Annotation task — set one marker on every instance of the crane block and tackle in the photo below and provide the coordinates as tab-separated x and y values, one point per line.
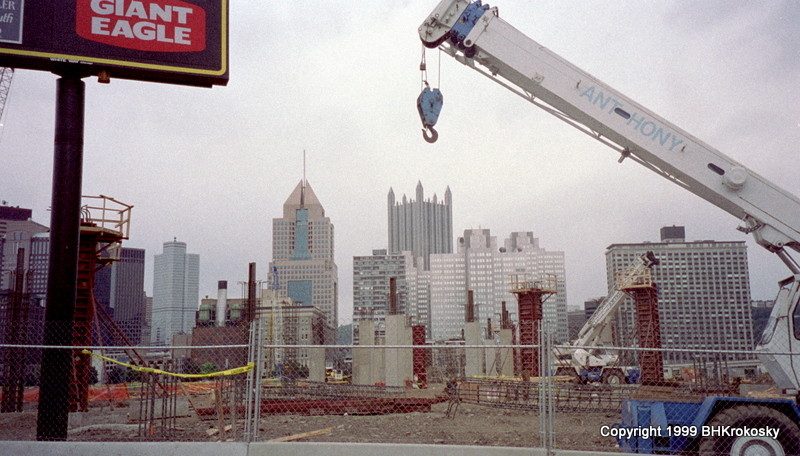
475	35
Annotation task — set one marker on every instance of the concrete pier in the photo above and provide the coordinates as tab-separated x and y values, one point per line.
475	365
399	361
316	364
367	362
506	363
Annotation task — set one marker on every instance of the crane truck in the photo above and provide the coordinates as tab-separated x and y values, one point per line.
476	36
588	362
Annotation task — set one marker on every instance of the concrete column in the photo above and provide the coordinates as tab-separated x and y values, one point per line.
506	367
399	361
474	356
377	358
362	357
316	364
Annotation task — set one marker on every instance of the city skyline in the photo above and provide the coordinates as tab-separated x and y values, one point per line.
346	318
211	166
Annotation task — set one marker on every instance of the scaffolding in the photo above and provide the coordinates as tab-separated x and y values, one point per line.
644	292
17	306
531	294
104	225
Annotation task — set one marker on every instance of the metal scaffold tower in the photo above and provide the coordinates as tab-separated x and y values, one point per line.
644	292
530	297
103	227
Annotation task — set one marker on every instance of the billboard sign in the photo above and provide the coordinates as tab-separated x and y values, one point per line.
173	41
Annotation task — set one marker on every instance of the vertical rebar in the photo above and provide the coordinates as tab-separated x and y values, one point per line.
542	391
546	404
392	295
253	394
249	394
259	374
470	307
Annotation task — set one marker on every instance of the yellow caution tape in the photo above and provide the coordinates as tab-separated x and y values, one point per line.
234	371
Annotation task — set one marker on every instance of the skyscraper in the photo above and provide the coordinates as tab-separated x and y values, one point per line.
175	292
302	253
703	294
119	287
127	298
17	231
421	227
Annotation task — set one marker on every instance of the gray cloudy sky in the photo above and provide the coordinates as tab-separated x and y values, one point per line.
213	167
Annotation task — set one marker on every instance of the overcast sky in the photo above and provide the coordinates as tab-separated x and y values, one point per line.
213	167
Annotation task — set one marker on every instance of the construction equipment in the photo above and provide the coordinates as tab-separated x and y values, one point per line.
588	361
476	36
105	223
6	75
429	105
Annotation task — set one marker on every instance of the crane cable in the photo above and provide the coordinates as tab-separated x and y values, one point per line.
423	68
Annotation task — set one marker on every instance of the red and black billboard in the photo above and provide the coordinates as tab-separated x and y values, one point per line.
173	41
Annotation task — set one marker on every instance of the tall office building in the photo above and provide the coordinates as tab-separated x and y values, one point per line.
479	265
703	294
175	292
371	286
18	231
119	288
421	227
522	257
128	296
302	253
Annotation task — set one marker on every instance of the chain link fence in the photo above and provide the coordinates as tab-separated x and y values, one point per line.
711	402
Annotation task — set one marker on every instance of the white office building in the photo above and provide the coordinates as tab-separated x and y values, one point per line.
703	294
176	283
480	266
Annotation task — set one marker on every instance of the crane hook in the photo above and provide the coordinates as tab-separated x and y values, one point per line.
433	136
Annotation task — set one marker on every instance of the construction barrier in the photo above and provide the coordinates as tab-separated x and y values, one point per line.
373	394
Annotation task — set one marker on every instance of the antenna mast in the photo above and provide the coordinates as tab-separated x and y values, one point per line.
303	189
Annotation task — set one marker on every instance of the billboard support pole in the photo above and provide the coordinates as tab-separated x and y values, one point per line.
53	415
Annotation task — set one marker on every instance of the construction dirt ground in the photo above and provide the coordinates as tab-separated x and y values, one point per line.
470	425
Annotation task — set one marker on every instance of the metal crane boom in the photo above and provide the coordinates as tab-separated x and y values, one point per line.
476	36
6	74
